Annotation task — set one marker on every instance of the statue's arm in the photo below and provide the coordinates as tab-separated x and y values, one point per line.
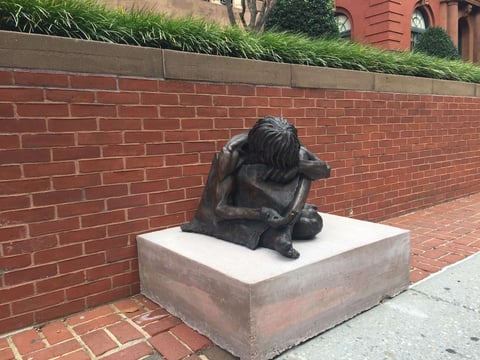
236	142
229	212
300	196
228	162
306	162
311	166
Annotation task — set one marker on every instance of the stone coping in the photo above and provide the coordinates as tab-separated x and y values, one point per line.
50	53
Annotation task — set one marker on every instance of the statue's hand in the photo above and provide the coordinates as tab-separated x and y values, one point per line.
236	142
274	219
270	216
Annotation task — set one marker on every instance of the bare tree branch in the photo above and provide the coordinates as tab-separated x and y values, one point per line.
264	12
252	7
231	16
242	14
257	17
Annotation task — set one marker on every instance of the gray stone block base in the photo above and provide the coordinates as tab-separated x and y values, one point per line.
256	304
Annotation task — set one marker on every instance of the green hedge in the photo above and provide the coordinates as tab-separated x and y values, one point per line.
313	18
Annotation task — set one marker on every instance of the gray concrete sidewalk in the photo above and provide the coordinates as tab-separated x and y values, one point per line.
438	318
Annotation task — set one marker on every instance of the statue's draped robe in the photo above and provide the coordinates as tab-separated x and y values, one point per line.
250	191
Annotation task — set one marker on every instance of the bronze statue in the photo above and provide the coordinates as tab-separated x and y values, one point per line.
257	189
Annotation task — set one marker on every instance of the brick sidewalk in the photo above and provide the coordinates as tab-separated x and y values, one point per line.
132	328
136	328
441	235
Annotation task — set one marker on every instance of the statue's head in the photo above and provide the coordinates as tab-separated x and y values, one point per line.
274	142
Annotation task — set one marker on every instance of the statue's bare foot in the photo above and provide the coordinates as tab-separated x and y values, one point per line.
284	246
291	253
281	241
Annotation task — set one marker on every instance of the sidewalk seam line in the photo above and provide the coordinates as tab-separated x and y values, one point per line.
439	299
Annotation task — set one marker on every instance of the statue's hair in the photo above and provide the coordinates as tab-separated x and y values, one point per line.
275	142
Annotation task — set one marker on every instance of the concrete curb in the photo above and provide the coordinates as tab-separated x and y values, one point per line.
33	51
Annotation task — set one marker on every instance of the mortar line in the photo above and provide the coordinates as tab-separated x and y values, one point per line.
14	348
81	342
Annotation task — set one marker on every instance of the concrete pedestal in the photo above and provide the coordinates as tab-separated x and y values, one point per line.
256	304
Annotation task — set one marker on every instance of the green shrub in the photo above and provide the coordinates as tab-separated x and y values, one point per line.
310	17
436	42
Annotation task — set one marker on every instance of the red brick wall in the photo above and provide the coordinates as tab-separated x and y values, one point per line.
88	162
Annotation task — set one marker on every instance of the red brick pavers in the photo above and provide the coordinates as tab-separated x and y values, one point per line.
128	329
136	328
441	235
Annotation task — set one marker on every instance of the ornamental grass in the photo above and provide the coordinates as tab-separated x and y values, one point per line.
89	20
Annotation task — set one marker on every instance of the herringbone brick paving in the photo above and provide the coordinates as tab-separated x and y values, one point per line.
136	328
441	235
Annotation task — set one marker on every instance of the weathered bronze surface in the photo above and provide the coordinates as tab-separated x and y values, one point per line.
257	189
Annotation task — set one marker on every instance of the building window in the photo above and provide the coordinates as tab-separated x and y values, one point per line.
418	25
344	25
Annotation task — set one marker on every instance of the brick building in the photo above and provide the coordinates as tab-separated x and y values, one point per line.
391	24
396	25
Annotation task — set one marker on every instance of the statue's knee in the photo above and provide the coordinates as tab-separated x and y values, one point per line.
308	225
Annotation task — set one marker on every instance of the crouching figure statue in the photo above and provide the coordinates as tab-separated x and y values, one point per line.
257	189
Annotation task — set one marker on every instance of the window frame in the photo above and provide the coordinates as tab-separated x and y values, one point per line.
347	23
416	31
